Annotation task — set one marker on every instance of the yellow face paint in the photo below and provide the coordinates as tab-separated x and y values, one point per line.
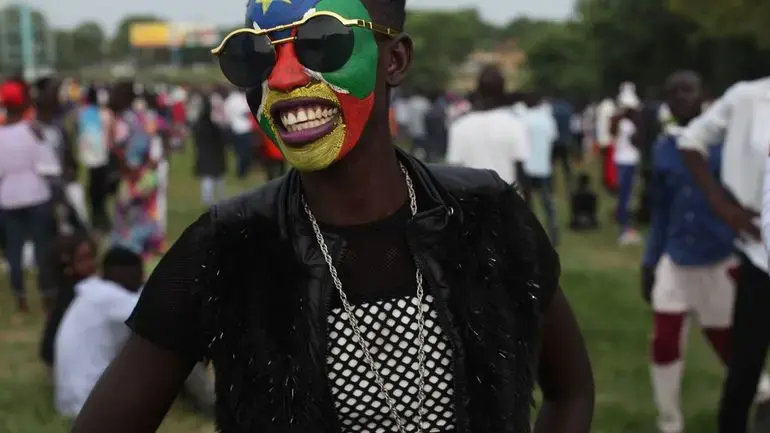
320	153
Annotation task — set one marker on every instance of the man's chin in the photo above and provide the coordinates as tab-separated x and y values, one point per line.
318	154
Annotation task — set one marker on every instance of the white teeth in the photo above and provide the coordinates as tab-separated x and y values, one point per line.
303	118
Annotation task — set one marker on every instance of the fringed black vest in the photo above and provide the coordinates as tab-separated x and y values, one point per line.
268	292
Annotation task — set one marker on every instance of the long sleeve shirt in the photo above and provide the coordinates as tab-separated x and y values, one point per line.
683	225
741	120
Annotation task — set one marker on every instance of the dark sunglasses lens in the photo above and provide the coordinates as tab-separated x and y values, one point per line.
324	44
247	60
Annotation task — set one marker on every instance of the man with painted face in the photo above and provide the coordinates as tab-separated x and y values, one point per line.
363	291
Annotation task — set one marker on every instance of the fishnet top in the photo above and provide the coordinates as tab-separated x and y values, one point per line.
378	275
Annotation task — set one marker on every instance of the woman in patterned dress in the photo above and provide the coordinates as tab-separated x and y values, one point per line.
137	221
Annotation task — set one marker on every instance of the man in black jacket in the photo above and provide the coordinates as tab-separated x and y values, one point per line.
363	291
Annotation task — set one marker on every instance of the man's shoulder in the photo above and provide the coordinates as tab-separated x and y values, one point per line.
258	202
501	117
463	179
99	290
464	121
743	90
760	82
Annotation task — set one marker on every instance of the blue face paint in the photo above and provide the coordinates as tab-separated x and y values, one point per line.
273	13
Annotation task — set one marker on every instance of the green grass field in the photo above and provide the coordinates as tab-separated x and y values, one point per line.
600	279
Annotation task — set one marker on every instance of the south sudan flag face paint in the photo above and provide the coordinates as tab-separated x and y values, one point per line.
316	116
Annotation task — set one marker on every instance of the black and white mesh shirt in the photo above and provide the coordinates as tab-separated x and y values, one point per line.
378	275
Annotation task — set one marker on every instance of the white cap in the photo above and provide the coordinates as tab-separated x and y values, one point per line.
627	97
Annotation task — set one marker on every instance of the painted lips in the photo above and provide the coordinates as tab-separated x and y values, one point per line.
304	120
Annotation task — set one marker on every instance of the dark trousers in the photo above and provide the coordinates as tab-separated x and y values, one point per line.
97	197
33	223
243	153
543	187
561	156
644	211
750	340
626	174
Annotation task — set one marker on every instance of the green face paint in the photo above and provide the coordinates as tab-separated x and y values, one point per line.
359	74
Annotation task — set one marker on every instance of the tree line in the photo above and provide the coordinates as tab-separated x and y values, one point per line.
604	43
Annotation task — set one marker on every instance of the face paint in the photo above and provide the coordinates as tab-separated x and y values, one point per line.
314	118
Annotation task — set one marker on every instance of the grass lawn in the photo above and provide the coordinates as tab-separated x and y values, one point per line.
600	279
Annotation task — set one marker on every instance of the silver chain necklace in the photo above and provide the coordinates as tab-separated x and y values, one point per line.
353	321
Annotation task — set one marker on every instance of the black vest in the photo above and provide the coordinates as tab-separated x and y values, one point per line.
269	291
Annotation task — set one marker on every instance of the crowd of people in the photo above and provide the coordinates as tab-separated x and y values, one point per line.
695	168
526	136
85	170
365	290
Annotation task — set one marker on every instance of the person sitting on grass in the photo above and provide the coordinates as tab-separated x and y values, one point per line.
92	331
584	203
73	259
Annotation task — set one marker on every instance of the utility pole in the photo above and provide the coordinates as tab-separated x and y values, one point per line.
27	41
4	46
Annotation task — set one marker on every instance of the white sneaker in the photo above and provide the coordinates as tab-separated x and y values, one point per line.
630	237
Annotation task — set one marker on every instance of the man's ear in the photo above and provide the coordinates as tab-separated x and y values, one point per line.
399	59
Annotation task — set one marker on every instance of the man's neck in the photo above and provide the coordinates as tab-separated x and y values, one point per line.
686	120
367	185
486	104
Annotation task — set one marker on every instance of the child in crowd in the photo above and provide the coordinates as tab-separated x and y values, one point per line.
92	331
584	203
687	262
73	259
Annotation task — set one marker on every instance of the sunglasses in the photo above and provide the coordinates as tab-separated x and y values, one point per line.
323	42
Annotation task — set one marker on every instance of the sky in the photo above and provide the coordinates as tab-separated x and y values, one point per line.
68	13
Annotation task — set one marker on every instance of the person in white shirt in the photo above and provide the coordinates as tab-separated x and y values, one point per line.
418	107
238	115
626	159
490	137
26	194
542	133
400	106
92	330
605	110
739	120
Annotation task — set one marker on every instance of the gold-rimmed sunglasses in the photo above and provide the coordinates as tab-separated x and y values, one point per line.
323	42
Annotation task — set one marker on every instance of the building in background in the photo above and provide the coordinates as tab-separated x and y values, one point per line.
26	42
507	56
179	38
